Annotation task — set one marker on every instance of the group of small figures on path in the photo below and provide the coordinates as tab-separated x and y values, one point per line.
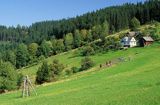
107	64
110	63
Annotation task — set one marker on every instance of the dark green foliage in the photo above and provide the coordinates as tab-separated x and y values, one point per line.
68	41
155	33
41	58
134	24
32	49
8	76
75	69
22	56
59	46
86	63
104	31
96	31
45	48
56	68
72	70
112	30
69	72
112	43
47	73
97	47
10	56
43	74
89	37
88	50
76	39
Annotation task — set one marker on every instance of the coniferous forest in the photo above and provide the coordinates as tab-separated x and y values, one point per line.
23	45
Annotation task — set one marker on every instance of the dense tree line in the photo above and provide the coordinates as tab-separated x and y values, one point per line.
118	17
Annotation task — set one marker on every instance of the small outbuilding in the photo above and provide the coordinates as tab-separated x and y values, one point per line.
146	41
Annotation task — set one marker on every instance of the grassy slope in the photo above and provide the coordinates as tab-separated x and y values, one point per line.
136	82
69	57
72	59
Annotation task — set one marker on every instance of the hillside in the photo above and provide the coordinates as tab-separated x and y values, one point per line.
92	59
67	58
134	82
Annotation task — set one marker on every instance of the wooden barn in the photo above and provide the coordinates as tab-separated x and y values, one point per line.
146	41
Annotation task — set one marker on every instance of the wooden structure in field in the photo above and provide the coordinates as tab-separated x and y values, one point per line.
146	41
27	85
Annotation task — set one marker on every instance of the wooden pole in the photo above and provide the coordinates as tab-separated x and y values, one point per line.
26	87
29	82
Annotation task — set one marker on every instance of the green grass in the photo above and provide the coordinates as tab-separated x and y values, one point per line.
135	82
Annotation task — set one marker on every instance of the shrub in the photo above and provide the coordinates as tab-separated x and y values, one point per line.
43	74
86	63
41	58
47	73
88	51
97	48
69	72
56	68
75	69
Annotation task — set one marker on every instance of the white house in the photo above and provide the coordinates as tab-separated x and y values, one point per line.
129	42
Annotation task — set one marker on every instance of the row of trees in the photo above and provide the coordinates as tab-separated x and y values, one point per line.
118	18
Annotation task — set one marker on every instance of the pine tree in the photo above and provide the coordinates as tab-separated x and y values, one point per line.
22	56
134	24
43	74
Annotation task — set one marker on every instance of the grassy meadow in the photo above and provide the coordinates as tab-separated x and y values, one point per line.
135	82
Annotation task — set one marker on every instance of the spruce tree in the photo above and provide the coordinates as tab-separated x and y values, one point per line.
134	24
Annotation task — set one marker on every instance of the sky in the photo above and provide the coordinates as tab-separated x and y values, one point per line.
26	12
